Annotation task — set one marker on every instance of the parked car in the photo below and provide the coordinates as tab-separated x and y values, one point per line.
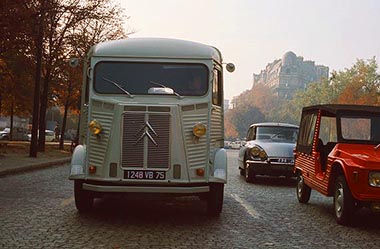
268	150
18	133
49	136
235	145
338	155
227	144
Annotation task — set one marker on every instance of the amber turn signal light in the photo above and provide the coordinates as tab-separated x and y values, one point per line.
200	172
92	169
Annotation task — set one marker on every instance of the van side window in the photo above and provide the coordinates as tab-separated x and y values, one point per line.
217	88
327	130
305	138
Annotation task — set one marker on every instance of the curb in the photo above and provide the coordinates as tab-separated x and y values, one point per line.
35	166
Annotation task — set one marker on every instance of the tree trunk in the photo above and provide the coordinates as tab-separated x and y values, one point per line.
61	140
11	126
43	107
39	43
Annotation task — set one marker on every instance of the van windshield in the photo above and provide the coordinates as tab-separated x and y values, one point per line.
142	78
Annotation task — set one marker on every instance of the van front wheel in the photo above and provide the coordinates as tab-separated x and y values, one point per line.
83	199
343	201
215	199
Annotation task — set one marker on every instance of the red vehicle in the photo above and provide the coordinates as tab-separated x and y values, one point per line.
338	155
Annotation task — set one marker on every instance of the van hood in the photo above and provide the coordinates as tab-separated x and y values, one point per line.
360	154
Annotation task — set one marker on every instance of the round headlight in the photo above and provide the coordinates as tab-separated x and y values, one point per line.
95	127
263	155
374	178
255	151
199	130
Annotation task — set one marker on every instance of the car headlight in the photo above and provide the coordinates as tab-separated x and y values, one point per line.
95	127
263	155
258	152
199	130
255	151
374	178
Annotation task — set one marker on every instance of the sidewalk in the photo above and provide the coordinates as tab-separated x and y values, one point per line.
14	158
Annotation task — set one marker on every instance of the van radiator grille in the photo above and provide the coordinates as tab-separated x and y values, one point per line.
145	141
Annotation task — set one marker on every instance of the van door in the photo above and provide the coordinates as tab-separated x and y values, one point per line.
306	155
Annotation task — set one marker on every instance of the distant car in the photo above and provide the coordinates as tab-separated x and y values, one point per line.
227	144
235	145
49	136
338	155
18	133
268	150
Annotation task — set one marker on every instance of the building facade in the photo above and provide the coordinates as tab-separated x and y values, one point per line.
289	74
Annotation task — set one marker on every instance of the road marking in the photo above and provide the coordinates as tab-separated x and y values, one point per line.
250	210
68	201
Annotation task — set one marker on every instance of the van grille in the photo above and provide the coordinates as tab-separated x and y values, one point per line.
145	141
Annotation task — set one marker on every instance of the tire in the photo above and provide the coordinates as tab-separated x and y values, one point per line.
83	199
249	175
242	172
344	204
215	199
302	190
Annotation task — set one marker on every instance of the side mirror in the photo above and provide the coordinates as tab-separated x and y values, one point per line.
74	62
230	67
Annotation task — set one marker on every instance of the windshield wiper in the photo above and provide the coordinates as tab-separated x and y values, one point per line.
118	86
377	147
161	85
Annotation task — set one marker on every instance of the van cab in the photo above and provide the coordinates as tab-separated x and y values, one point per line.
151	121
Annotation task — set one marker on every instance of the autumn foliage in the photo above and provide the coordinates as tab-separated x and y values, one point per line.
60	30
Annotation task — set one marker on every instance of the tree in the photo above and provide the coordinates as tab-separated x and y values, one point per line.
229	128
359	84
242	117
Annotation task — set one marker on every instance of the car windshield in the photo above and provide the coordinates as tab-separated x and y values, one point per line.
360	128
140	78
277	134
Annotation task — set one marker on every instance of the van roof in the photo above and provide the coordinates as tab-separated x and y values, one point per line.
335	108
155	48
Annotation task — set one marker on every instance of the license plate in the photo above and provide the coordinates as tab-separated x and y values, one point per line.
144	174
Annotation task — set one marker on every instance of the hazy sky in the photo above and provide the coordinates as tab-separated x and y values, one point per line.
252	33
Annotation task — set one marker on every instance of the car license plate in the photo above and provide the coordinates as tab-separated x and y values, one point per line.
144	174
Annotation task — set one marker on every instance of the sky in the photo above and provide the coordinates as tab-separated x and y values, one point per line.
253	33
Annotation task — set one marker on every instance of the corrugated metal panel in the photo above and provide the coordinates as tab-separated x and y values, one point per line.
84	126
216	132
308	166
98	146
146	139
158	154
196	150
132	151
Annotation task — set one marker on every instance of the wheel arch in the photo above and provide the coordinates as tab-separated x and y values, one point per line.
337	169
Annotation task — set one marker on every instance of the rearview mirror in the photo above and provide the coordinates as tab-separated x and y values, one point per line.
230	67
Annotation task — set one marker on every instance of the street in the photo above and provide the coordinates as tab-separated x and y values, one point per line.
37	211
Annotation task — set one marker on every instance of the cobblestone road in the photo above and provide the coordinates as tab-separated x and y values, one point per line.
37	211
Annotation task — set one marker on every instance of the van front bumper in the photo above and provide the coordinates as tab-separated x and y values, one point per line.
146	189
